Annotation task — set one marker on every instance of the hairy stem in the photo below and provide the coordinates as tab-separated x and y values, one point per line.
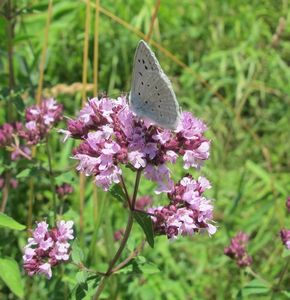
129	258
124	240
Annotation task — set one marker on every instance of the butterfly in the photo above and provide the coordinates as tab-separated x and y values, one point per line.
151	94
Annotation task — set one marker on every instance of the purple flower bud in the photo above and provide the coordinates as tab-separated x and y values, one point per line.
118	234
77	129
64	190
237	250
6	131
285	237
143	202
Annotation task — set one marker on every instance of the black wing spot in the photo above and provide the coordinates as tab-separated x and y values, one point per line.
139	60
146	102
142	82
160	100
140	73
139	93
158	94
148	84
143	61
159	106
155	87
152	109
146	67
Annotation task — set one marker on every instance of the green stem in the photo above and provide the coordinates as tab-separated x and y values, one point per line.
257	276
5	191
51	178
124	240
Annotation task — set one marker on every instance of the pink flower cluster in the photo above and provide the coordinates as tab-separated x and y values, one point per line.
38	122
64	190
237	250
112	135
47	248
187	213
285	237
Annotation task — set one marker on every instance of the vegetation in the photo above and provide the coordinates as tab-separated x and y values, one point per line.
229	62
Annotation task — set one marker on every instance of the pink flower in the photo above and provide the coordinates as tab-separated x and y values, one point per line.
39	119
188	211
45	269
107	177
65	230
137	159
111	135
47	248
87	163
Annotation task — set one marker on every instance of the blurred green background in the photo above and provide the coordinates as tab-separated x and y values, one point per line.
242	49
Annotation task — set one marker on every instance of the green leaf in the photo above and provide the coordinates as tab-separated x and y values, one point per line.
255	287
117	192
287	294
135	266
77	254
10	274
24	173
81	291
145	221
149	268
6	221
81	276
18	102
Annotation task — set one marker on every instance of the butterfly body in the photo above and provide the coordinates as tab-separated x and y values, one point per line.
151	94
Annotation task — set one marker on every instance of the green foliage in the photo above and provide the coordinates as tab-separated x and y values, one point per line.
10	274
145	222
77	254
229	44
117	193
8	222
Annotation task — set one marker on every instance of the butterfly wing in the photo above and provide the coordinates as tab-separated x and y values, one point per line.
152	95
